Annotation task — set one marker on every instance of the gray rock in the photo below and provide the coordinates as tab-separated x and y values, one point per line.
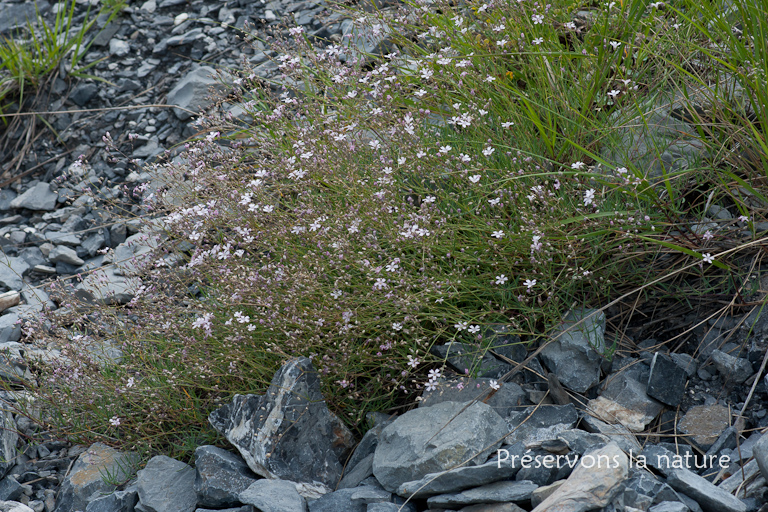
39	197
108	287
434	439
498	492
83	93
191	92
94	242
760	451
87	476
642	490
11	270
119	501
288	432
536	424
459	479
710	497
493	507
220	476
666	382
63	254
338	501
6	197
574	355
364	41
508	397
357	473
470	359
13	506
580	441
10	489
63	238
166	485
10	327
733	369
274	496
136	252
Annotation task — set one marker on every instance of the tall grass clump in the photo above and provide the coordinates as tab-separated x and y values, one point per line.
368	208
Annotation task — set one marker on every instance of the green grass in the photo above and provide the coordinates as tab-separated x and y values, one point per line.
359	222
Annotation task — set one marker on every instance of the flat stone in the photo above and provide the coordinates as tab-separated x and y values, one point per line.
14	16
108	287
619	434
63	254
686	362
760	452
288	432
705	423
574	355
338	501
11	270
273	496
459	479
220	477
83	93
166	485
434	439
596	480
580	441
669	506
733	369
119	48
498	492
10	327
536	424
710	497
666	382
39	198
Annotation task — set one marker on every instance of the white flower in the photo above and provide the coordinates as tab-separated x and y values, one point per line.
488	151
429	199
589	197
375	144
115	421
497	234
613	93
474	329
336	294
537	19
397	326
494	202
413	362
489	78
434	374
615	44
494	384
708	258
475	178
507	125
529	283
445	149
460	326
501	279
577	165
295	31
538	40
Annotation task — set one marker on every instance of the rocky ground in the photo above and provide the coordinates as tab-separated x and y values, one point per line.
651	430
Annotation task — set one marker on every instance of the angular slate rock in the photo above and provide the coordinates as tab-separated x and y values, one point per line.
166	485
288	432
593	483
499	492
87	476
666	382
40	198
459	479
733	369
669	506
119	501
11	270
623	400
338	501
433	439
710	497
191	92
534	425
220	477
574	353
760	451
493	507
274	496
